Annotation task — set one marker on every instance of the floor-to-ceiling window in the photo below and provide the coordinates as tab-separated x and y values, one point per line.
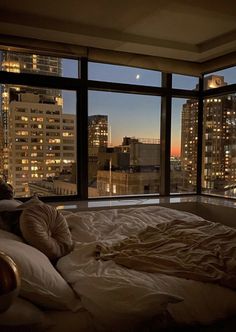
79	129
38	138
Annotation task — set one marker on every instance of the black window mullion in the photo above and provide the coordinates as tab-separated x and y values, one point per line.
165	136
82	132
200	137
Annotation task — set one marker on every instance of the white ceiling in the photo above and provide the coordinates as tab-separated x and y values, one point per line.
192	30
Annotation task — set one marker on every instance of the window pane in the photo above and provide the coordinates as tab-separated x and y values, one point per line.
183	161
219	145
220	78
38	140
185	82
123	74
38	64
124	144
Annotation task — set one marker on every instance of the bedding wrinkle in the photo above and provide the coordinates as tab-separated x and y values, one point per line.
202	251
91	278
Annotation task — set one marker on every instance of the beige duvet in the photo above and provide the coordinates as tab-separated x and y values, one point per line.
197	250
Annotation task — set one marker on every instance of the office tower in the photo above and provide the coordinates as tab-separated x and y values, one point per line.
97	131
219	139
97	138
41	141
34	142
26	63
219	144
189	139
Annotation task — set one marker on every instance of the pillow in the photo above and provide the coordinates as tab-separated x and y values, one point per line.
40	281
8	235
46	229
22	312
9	204
31	202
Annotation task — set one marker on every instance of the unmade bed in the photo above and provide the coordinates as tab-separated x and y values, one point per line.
144	268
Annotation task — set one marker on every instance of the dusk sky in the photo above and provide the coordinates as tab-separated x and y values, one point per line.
130	114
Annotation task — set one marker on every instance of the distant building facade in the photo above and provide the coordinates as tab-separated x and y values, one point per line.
129	169
97	131
219	139
189	140
23	63
97	138
41	141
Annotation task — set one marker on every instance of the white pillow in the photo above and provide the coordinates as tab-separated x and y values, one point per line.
40	281
9	204
10	236
31	202
46	229
22	312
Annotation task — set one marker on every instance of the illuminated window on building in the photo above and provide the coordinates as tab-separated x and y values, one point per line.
17	62
123	143
184	140
29	140
219	149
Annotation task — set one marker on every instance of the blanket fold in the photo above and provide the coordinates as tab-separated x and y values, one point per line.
198	250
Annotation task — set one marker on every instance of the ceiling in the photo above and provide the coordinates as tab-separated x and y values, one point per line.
192	30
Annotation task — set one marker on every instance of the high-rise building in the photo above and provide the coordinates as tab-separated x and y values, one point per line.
189	139
219	139
23	63
219	143
38	139
97	131
97	138
41	141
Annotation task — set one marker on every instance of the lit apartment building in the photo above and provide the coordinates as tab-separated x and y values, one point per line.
219	144
41	140
97	130
23	63
189	139
97	138
219	139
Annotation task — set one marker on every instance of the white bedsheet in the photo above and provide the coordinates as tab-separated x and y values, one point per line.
103	285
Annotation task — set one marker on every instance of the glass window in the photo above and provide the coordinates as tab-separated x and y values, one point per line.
51	172
124	144
185	82
219	145
183	163
123	74
38	64
220	78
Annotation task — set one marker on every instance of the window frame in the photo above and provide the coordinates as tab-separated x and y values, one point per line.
81	85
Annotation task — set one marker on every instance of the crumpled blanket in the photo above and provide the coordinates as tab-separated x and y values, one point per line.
198	250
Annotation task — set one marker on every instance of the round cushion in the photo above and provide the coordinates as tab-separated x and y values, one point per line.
46	229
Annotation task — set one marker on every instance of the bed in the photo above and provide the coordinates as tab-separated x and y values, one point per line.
116	286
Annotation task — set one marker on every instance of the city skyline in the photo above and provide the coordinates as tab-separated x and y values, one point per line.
107	103
123	132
